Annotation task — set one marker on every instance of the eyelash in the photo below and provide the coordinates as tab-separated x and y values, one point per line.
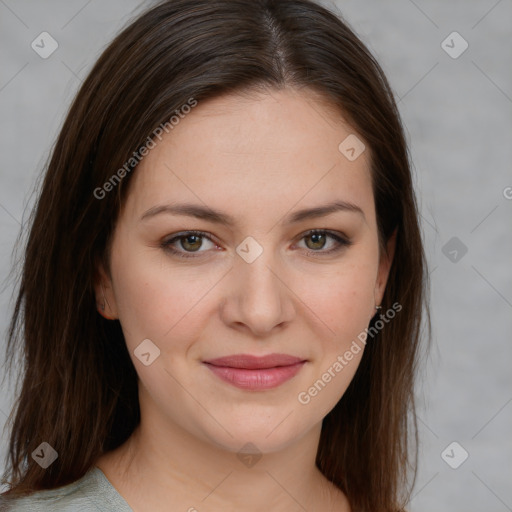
340	241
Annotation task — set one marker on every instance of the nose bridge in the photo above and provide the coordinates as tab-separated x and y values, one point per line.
259	296
258	280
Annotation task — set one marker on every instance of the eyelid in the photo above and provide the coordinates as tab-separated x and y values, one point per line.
340	239
166	243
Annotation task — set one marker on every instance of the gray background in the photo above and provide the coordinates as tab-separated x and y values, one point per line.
458	117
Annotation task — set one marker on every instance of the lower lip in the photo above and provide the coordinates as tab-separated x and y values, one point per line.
266	378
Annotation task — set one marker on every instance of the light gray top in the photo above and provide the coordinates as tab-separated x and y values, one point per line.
91	493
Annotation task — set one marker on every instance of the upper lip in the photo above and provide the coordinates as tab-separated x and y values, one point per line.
250	362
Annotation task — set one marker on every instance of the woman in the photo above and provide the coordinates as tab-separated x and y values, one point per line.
224	281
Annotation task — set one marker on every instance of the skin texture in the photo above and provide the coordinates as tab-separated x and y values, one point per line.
258	158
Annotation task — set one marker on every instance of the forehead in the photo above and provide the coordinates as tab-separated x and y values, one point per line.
240	151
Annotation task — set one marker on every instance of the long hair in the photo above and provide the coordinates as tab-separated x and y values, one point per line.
79	389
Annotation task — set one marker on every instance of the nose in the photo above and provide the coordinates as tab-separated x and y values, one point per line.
257	297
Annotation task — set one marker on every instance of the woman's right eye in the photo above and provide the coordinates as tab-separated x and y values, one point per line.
190	242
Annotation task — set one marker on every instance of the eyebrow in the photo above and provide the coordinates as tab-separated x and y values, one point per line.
208	214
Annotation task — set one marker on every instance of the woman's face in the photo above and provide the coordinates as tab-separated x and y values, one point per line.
255	175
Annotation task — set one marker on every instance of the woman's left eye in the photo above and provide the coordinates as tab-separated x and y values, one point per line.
192	241
318	241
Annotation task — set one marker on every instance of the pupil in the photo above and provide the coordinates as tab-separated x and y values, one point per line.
197	242
318	238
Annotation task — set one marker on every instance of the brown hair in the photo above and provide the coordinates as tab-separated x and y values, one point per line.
79	387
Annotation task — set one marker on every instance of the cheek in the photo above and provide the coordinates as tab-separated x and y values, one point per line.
155	301
345	304
343	299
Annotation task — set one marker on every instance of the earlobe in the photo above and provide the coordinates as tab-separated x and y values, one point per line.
386	259
105	301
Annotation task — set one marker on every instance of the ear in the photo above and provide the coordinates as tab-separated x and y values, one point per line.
105	299
386	259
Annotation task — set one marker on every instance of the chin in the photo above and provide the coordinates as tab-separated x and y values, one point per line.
260	440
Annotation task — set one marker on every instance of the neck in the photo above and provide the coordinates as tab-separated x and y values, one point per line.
196	475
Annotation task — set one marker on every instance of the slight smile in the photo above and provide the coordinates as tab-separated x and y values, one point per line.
255	372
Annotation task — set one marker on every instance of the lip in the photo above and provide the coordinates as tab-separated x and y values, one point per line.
256	372
250	362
